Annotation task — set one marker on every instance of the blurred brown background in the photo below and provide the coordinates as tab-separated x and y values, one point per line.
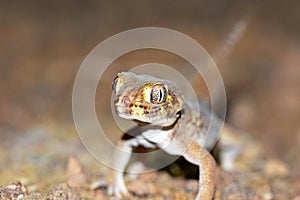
43	43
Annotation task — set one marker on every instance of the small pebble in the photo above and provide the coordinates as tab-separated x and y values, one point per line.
11	187
268	196
20	196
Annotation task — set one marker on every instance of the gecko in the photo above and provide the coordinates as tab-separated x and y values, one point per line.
168	121
173	124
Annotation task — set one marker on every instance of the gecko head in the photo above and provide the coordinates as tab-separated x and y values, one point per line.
147	99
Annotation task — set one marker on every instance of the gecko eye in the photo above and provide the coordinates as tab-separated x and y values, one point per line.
158	94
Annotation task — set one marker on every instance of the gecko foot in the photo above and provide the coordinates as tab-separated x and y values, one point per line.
118	190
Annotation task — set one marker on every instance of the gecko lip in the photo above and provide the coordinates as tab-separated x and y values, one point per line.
151	117
123	110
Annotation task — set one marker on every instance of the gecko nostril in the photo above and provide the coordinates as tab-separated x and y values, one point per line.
126	101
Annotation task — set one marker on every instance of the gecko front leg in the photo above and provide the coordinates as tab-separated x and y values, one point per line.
207	166
121	157
120	160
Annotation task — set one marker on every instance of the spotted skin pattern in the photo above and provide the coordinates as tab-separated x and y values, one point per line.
159	103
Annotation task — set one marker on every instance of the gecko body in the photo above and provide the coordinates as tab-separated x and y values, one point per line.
166	120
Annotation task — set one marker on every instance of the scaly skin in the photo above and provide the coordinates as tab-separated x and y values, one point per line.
159	103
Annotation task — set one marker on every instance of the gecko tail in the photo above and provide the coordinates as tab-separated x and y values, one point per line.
223	51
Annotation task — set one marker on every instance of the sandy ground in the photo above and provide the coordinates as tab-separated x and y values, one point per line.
43	44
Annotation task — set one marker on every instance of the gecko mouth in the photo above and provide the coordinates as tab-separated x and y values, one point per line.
135	110
137	113
151	116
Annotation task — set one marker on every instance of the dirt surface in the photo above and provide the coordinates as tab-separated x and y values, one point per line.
43	44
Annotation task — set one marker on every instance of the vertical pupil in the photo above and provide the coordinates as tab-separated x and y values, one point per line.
157	94
160	95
